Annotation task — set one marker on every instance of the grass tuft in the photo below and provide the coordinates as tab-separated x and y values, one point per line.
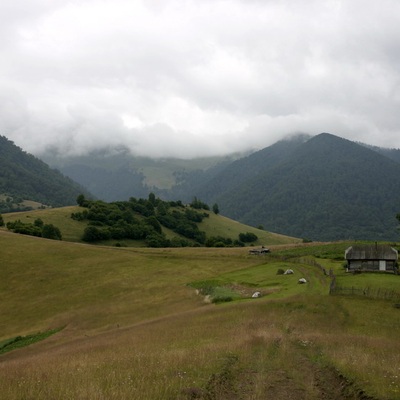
23	341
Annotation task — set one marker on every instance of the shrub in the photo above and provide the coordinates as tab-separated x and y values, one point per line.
218	241
193	215
280	271
247	237
93	234
79	216
196	203
157	240
49	231
221	299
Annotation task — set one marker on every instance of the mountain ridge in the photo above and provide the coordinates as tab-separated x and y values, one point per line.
320	188
331	188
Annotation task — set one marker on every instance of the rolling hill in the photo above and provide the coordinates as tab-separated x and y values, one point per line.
214	225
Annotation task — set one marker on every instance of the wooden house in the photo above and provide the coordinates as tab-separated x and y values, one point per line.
371	258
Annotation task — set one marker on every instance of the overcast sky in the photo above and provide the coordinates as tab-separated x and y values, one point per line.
192	78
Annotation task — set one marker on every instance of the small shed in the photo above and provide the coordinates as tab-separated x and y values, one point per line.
263	250
371	258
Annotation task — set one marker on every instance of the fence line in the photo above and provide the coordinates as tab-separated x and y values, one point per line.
372	293
334	289
313	263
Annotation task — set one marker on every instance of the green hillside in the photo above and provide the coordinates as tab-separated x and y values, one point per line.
128	324
327	188
73	230
25	177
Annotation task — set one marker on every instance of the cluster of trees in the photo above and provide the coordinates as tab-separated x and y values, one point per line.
143	219
10	204
247	237
220	241
38	228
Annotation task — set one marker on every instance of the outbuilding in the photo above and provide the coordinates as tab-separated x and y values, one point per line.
263	250
374	257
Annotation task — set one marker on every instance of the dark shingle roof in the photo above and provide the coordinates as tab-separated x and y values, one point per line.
371	252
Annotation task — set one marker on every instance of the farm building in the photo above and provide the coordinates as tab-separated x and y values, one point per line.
263	250
371	258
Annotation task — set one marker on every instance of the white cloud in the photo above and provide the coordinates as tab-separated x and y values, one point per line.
189	78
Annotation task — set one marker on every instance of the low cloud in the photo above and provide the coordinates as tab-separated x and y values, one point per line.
189	79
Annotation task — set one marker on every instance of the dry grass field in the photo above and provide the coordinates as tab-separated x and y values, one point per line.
134	327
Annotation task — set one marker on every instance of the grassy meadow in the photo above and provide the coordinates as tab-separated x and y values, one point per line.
132	325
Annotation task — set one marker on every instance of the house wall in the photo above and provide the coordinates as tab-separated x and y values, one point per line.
371	265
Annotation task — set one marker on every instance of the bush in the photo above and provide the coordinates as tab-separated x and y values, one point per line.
196	203
153	222
218	241
38	222
280	271
79	216
157	240
221	299
49	231
247	237
193	215
93	234
24	229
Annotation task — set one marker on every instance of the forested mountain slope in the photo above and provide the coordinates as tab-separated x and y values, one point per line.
116	174
238	172
328	188
319	188
24	176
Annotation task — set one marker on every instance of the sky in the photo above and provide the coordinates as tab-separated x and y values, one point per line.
186	78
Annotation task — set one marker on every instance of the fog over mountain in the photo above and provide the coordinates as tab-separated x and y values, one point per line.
187	79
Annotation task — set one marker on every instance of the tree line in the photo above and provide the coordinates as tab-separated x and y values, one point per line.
138	219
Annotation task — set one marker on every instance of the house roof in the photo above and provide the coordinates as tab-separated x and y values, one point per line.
371	252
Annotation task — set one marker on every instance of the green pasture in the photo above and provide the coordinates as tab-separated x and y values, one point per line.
135	327
71	230
218	225
264	278
46	282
